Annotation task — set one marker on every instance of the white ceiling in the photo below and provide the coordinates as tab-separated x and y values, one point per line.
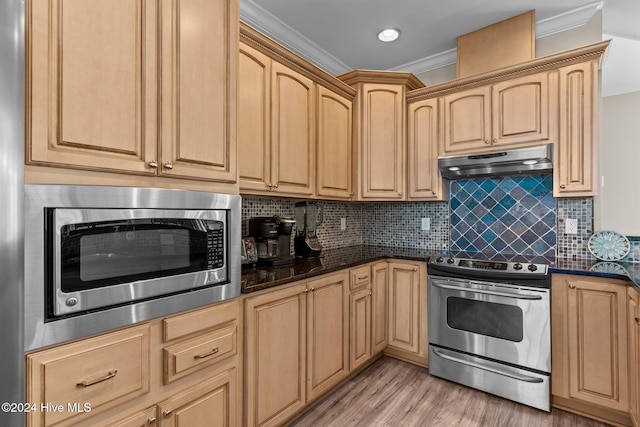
340	35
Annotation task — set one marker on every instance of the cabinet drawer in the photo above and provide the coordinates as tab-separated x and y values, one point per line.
197	353
199	320
101	371
360	276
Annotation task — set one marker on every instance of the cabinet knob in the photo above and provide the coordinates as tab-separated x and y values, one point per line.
572	286
306	291
486	141
153	164
638	320
494	141
168	165
415	268
151	420
167	412
269	185
370	293
563	186
275	186
313	289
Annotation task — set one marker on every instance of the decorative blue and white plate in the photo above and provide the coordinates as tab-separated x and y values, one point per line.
609	267
608	245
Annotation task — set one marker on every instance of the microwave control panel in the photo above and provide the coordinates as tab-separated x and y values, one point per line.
215	244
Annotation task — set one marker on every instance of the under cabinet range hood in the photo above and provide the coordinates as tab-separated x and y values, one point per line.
523	161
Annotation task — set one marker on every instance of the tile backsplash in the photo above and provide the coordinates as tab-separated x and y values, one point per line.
514	215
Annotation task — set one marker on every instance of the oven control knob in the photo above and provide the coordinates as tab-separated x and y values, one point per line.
532	267
450	261
439	259
517	266
71	301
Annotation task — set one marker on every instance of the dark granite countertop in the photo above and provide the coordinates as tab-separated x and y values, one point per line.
262	277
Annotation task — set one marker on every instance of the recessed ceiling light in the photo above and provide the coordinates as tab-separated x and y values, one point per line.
388	35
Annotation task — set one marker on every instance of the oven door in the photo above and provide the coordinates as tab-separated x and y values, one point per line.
503	322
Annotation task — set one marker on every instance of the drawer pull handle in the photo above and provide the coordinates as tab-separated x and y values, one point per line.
86	383
151	420
563	186
363	277
207	354
167	412
572	286
168	165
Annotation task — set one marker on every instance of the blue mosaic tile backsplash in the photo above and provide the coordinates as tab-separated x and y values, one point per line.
514	215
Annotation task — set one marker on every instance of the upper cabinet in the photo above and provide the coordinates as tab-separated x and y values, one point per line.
576	169
423	177
137	89
380	132
294	124
511	113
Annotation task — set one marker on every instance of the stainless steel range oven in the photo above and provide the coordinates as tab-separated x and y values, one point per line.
102	257
489	327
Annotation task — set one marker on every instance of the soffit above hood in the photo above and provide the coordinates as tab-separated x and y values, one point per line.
523	161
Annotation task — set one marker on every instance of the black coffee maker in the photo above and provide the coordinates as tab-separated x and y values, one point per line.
273	239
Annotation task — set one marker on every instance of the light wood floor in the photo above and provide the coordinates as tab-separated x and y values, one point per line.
393	393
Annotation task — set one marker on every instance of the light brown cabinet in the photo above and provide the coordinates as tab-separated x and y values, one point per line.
297	347
276	134
408	311
334	157
590	371
575	171
380	132
633	312
512	113
360	316
295	124
379	306
423	177
100	106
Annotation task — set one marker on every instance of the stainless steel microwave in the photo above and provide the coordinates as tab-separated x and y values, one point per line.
97	258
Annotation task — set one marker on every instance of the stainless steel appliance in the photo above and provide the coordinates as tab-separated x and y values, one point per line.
273	239
489	327
12	125
308	217
523	161
103	257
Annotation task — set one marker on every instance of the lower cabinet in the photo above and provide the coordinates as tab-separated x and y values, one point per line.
360	316
634	355
408	311
179	370
379	306
590	370
296	347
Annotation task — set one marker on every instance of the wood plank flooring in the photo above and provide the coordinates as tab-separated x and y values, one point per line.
393	393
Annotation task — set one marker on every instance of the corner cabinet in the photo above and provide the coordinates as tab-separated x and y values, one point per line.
423	177
576	171
133	92
590	372
512	113
380	132
276	141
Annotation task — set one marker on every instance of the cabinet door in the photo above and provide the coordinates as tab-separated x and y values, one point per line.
254	114
597	343
199	58
407	308
143	418
292	131
91	85
520	110
327	332
379	306
467	121
575	163
208	404
334	165
424	180
360	320
383	142
634	356
275	355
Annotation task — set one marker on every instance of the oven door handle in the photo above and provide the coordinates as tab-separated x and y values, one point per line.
515	376
494	293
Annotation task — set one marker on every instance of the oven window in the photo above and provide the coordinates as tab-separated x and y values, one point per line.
485	318
111	253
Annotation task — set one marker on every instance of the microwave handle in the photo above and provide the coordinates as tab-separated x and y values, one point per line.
515	295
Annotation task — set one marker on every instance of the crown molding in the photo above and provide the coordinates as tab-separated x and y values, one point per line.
270	25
